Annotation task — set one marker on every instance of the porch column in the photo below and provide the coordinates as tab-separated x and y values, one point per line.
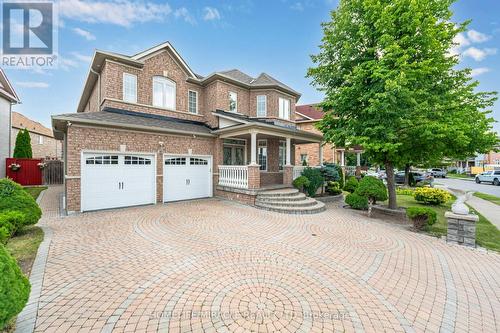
358	158
288	151
253	148
342	159
320	154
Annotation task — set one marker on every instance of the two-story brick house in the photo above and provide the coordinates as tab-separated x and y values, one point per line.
148	129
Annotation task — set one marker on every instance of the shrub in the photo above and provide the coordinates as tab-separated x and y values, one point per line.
356	201
431	196
10	222
300	183
351	184
315	178
405	191
22	148
333	188
330	174
372	188
338	168
421	216
14	288
14	198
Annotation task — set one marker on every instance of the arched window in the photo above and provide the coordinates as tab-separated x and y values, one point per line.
163	92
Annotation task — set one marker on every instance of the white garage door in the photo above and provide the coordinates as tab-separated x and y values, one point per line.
186	177
117	180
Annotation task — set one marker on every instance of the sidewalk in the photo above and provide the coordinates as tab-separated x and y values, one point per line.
488	209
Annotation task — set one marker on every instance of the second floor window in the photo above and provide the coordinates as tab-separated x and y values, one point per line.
284	108
129	88
163	93
192	101
261	106
233	102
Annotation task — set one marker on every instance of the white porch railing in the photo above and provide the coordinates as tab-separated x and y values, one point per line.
297	171
233	176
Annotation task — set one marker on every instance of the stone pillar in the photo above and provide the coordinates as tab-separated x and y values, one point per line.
288	175
253	148
461	229
253	177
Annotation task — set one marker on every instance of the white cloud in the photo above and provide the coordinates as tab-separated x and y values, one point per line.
211	14
183	13
297	6
81	57
461	40
479	71
84	33
477	37
478	54
32	84
120	12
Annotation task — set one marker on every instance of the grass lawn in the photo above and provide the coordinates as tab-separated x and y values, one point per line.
458	175
35	190
24	246
487	235
489	197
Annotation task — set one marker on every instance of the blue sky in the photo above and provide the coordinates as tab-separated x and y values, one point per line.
275	36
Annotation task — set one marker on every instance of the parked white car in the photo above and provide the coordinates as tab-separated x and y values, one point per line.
489	177
437	173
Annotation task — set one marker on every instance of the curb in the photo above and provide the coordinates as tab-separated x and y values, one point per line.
27	318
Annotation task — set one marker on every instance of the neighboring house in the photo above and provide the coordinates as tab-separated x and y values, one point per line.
306	117
8	97
148	129
43	143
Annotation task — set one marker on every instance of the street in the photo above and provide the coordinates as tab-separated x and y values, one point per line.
467	185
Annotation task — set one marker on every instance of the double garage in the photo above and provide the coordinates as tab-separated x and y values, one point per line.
112	180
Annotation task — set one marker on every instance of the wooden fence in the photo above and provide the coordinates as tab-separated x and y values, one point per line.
53	172
24	171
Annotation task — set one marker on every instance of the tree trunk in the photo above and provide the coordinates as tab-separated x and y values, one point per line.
407	175
391	185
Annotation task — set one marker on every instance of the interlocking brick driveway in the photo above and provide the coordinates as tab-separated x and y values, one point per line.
215	266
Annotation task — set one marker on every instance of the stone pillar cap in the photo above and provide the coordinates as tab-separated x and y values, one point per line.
468	217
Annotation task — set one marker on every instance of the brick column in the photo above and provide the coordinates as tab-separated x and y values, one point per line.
288	175
461	229
253	176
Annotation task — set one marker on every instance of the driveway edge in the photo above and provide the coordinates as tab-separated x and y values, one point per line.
27	318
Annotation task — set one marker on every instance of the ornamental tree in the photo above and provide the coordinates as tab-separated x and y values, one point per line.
23	145
392	85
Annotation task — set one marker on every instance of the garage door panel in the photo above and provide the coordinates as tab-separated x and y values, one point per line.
186	177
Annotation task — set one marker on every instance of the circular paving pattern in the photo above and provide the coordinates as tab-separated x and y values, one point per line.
217	266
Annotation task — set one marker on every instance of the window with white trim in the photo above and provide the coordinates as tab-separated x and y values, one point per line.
40	140
198	161
233	101
284	108
129	88
261	106
282	155
102	160
175	161
136	160
234	152
262	154
192	101
164	92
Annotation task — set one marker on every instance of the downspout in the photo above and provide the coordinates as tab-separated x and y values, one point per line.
98	88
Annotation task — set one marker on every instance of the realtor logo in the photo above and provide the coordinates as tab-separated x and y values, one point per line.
28	34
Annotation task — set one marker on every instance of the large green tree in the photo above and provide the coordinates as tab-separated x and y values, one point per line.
23	145
392	84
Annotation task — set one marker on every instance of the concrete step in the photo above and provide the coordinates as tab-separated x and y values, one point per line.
318	207
278	202
279	193
292	197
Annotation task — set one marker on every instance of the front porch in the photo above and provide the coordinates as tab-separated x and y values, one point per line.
254	160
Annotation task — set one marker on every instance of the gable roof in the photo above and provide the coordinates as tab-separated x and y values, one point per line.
21	122
308	112
6	89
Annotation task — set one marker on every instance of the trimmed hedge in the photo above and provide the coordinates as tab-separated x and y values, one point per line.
300	183
421	216
315	178
10	222
333	188
351	184
14	198
372	188
431	196
356	201
14	288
